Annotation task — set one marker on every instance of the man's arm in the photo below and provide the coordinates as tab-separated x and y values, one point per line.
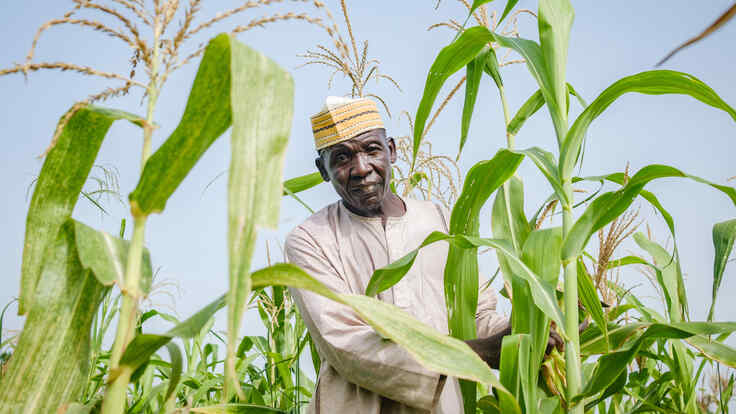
352	347
492	327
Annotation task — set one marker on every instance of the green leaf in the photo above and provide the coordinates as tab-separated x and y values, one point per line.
714	350
529	108
176	369
451	59
554	21
476	4
299	184
106	256
532	54
51	361
534	104
541	253
437	352
482	179
656	82
235	408
491	67
509	372
474	71
142	347
509	6
611	365
461	269
589	298
542	292
59	184
262	95
545	162
724	234
207	116
606	207
619	178
668	276
392	273
626	261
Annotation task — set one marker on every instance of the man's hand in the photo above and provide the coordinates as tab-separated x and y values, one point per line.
489	349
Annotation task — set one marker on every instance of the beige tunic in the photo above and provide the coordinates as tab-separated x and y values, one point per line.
361	372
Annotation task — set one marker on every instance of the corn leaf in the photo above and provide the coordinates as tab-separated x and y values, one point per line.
476	4
541	253
508	222
542	292
207	116
262	96
474	71
608	206
299	184
509	372
528	108
655	82
451	59
59	184
714	350
51	360
554	21
545	162
509	6
461	270
534	57
176	370
106	256
234	408
432	349
611	365
491	67
589	298
143	346
620	179
724	234
668	275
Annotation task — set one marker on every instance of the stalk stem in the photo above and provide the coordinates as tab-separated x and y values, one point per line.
116	393
572	345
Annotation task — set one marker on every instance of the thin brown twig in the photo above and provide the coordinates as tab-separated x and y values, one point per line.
63	66
140	12
442	106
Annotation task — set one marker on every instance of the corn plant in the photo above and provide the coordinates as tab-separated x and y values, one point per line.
535	260
68	267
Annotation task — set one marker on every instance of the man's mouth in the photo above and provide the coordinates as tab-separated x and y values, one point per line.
365	191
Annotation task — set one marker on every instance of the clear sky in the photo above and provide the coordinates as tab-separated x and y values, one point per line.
188	241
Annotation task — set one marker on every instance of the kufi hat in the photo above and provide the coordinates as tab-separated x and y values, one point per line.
342	119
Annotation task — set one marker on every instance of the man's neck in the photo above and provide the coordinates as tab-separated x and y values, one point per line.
392	206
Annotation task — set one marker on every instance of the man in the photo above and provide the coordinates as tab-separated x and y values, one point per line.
342	244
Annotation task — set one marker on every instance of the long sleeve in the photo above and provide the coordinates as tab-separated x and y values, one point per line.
349	345
488	321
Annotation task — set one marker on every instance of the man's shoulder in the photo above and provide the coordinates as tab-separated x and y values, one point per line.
315	225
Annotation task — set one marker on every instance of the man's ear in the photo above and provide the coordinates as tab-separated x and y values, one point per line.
391	149
321	167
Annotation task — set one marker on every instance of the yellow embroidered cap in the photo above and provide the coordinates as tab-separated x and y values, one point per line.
342	119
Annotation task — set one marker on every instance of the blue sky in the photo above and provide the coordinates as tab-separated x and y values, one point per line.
188	241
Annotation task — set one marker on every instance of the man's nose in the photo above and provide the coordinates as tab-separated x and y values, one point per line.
362	166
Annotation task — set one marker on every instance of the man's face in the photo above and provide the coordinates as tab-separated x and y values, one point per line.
360	170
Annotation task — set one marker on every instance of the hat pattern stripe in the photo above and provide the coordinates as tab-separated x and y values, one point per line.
343	120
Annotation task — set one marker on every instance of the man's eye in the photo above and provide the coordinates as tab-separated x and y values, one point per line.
341	157
375	149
